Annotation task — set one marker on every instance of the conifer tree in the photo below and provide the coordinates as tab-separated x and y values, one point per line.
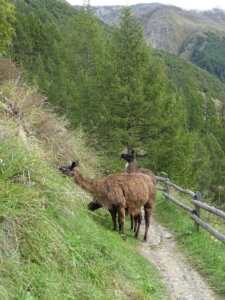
138	109
87	60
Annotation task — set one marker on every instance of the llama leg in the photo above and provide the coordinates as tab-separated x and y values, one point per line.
135	222
138	221
121	218
131	222
148	211
113	212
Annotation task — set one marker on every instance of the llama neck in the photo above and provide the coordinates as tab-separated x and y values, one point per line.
84	182
132	167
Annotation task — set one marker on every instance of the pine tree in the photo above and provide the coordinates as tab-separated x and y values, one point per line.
86	65
139	109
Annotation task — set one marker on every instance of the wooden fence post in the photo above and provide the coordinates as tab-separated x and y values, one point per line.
198	197
167	187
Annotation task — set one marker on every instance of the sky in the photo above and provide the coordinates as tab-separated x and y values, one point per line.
186	4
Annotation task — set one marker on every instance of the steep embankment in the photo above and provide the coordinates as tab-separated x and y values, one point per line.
50	246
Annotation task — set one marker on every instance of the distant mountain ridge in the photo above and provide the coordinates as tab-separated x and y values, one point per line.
198	36
168	27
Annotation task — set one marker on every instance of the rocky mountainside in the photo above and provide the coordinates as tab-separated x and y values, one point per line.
168	27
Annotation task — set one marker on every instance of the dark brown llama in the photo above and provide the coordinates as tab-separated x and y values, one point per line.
132	167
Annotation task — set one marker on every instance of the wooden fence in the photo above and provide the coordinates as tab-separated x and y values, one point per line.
194	213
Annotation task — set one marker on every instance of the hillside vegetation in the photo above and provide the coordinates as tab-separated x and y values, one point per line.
125	97
111	82
51	247
208	53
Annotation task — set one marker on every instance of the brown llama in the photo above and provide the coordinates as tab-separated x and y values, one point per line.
132	167
126	193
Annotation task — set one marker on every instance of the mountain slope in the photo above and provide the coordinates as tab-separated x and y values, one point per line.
165	26
187	33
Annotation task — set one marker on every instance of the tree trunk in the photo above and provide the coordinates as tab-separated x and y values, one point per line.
129	149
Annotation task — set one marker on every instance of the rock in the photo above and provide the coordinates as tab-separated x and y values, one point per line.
167	235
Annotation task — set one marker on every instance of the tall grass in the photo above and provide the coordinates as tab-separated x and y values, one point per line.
205	252
51	247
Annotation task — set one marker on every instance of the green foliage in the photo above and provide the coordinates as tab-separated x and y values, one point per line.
180	69
209	54
34	40
46	10
139	112
87	69
134	87
199	92
40	45
7	17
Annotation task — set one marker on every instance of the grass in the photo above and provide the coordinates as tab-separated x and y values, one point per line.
51	247
205	252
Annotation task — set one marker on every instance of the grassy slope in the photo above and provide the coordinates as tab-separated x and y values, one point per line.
202	249
50	246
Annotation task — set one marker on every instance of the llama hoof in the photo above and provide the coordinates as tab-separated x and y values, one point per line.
144	240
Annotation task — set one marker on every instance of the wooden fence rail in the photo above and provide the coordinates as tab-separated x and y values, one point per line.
194	212
209	208
178	203
210	229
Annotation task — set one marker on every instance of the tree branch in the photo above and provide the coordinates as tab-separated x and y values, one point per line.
153	135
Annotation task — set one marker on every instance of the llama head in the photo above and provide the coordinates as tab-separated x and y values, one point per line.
68	170
128	157
93	205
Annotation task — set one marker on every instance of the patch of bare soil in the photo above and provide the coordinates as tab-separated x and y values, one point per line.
181	280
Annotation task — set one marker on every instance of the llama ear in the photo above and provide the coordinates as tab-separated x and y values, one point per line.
133	153
74	165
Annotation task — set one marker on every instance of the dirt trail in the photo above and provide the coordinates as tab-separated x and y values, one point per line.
182	281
